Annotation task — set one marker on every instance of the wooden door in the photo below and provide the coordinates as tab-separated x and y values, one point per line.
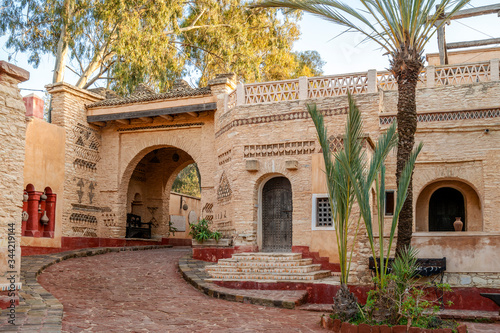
277	215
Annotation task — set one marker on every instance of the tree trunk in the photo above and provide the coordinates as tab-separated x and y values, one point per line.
407	125
62	44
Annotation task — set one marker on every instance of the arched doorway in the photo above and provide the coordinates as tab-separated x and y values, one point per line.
149	191
445	204
277	212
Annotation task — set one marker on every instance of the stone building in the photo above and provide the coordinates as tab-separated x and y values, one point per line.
256	149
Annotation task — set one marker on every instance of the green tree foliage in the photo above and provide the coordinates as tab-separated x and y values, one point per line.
126	42
187	181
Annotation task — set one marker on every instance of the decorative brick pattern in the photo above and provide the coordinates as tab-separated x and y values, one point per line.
448	116
471	73
224	190
225	157
327	86
131	129
281	117
280	149
278	91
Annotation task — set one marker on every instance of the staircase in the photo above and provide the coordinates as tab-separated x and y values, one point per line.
267	267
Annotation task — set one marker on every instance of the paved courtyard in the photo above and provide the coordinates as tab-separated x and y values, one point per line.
141	291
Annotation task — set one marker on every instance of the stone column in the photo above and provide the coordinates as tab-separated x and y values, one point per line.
13	134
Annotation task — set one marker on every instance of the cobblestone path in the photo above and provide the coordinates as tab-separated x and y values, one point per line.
142	291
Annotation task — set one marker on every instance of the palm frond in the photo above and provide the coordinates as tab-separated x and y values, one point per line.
393	24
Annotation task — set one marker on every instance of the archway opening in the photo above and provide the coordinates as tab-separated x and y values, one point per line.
149	189
445	205
277	211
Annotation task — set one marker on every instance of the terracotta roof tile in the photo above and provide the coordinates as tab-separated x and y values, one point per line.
146	96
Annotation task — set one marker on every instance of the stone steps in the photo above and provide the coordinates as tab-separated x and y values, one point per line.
260	266
264	263
265	269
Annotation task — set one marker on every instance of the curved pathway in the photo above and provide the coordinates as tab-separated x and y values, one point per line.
143	292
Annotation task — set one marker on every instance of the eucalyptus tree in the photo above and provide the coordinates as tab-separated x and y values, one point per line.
402	28
125	42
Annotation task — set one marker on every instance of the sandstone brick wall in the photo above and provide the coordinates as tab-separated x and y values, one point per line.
81	205
12	132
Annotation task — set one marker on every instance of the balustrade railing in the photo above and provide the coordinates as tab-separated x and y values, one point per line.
337	85
358	83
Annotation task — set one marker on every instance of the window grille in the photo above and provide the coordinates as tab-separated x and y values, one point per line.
323	213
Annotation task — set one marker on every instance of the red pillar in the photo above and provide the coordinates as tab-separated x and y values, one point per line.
50	207
33	220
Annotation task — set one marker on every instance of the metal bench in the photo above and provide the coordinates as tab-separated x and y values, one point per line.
427	267
136	228
494	297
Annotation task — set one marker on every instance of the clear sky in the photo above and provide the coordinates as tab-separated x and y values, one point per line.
344	54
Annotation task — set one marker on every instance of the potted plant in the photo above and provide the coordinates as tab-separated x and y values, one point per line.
203	236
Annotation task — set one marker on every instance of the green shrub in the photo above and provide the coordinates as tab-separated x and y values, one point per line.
201	232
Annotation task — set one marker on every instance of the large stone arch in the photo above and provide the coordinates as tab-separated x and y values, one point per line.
133	147
473	204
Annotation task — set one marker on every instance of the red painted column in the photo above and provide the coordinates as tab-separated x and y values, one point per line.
33	220
50	207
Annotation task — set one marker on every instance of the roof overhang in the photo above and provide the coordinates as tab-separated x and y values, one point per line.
190	106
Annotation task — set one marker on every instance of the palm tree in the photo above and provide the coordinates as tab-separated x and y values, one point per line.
402	28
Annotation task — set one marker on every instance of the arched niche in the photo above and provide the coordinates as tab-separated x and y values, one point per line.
473	215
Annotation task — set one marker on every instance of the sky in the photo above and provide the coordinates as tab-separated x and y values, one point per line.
343	54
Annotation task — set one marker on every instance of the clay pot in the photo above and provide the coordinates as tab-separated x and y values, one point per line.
45	218
458	224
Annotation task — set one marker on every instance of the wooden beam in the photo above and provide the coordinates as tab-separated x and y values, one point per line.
146	119
155	112
443	54
472	43
99	123
167	117
483	10
192	114
123	121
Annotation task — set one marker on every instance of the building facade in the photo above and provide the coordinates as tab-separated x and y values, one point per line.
261	167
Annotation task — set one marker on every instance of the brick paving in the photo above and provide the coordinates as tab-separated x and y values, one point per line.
144	292
38	309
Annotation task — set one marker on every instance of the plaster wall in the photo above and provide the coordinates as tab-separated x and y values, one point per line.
44	167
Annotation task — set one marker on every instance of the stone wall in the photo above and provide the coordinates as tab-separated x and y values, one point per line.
82	211
12	131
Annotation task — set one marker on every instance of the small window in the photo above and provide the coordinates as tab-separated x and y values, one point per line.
321	213
389	203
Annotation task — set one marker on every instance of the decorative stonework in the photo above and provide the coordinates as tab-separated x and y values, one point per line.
280	149
224	190
82	218
326	86
109	219
207	212
131	129
225	157
86	147
153	220
272	92
84	232
280	117
448	116
462	74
